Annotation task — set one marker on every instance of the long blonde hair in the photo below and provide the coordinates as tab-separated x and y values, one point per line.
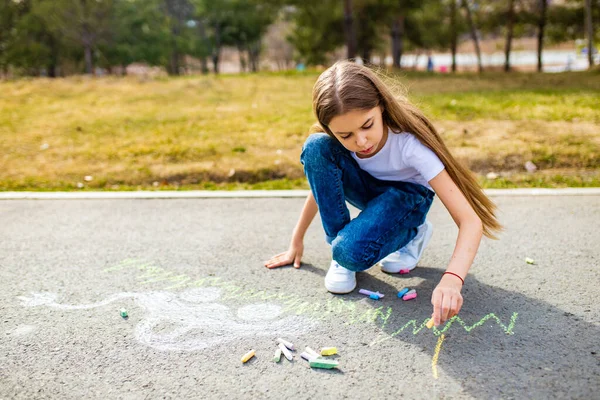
346	87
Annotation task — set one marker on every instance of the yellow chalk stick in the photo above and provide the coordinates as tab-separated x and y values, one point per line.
248	356
328	351
429	324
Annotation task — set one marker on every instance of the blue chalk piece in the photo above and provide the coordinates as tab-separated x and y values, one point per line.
402	292
374	296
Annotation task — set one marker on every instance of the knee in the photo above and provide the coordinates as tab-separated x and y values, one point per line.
352	255
317	146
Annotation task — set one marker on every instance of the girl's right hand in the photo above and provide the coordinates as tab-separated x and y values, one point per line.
293	255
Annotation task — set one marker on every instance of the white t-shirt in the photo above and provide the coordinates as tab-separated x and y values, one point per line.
403	158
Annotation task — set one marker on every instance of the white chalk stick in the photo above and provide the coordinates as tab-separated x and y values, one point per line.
308	357
286	352
311	352
286	343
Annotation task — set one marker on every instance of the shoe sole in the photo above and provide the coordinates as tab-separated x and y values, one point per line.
337	291
395	270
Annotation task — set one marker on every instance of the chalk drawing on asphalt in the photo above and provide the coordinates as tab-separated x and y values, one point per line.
193	319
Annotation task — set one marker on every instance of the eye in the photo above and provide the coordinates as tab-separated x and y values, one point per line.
345	137
368	127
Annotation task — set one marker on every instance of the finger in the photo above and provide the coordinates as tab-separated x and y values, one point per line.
453	307
436	300
278	258
297	262
446	308
276	264
460	304
273	265
273	259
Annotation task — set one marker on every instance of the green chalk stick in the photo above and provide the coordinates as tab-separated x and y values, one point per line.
322	363
277	355
123	313
529	260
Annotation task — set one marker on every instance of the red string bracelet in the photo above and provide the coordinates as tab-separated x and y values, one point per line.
456	275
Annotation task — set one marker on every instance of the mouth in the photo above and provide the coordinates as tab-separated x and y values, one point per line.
367	151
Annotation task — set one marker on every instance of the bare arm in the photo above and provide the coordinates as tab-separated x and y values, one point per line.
307	215
447	299
294	253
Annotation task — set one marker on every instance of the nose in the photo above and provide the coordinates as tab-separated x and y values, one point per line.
361	139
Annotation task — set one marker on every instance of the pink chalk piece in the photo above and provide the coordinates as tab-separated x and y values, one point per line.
409	296
404	271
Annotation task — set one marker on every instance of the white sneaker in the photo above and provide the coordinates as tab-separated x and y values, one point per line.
340	280
408	256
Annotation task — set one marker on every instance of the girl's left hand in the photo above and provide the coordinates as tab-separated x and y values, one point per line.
446	299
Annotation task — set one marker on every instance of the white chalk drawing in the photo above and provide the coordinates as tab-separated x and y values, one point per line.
192	320
23	330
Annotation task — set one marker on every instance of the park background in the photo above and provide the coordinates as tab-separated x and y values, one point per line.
200	94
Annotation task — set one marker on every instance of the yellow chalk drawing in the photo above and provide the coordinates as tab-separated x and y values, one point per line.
436	355
351	312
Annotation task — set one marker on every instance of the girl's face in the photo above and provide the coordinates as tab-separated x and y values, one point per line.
360	131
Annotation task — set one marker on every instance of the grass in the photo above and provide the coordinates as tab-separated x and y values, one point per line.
246	131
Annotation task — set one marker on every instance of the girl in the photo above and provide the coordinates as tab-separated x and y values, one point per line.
383	156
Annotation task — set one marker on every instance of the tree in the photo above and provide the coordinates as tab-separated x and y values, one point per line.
216	19
397	37
8	11
251	19
371	17
473	32
30	47
82	22
453	33
395	14
349	31
179	12
590	32
543	6
510	21
318	29
140	32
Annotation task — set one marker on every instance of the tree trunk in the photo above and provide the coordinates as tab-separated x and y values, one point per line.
242	52
589	28
216	51
174	57
453	33
398	41
87	41
541	26
366	54
349	29
206	43
89	66
254	54
473	34
510	20
174	62
416	62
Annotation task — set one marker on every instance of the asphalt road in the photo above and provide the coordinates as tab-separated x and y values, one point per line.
189	273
